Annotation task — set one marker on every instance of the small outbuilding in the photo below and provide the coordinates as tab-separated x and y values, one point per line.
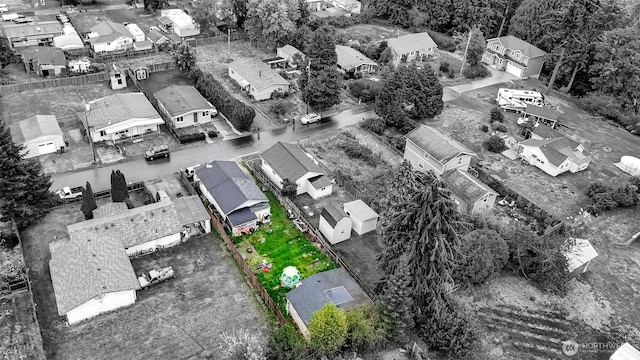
579	256
117	78
363	218
192	214
626	352
335	224
40	134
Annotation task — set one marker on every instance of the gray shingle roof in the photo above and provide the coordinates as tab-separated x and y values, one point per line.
110	209
117	108
349	58
241	217
109	31
229	185
333	214
29	29
182	99
45	56
542	112
439	145
411	42
465	186
34	127
133	227
310	296
289	161
190	209
87	266
514	43
257	73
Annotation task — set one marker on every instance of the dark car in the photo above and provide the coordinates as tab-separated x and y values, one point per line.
157	152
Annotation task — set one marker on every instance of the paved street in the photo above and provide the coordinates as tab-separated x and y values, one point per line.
141	170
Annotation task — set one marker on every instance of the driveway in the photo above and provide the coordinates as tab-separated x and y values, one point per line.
451	93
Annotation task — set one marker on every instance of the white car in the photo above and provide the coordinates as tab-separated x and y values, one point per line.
310	118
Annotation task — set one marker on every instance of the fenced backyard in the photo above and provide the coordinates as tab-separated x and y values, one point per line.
50	83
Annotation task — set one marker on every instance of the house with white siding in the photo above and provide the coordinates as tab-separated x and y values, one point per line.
184	106
411	47
552	152
109	36
257	78
428	148
39	134
180	22
472	195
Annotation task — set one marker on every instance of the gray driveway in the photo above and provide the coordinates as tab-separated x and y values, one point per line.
451	93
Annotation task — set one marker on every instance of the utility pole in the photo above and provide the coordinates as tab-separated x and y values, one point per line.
464	58
555	72
87	111
229	40
308	80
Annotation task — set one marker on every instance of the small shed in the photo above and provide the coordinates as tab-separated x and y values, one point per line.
626	352
335	224
117	78
579	256
363	218
140	70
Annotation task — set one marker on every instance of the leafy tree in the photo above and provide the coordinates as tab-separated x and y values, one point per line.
88	202
364	328
289	188
286	344
7	54
477	45
327	330
483	253
321	48
398	12
185	60
269	20
496	115
24	188
153	5
305	13
320	80
496	144
451	330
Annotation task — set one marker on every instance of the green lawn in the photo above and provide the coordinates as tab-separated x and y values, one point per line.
282	245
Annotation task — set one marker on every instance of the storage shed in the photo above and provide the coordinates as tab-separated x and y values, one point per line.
40	134
579	256
335	224
363	218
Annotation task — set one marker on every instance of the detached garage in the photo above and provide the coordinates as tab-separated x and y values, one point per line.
40	134
363	218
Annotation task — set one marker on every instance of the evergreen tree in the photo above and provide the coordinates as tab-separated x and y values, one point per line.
88	202
185	60
24	188
397	305
119	191
320	80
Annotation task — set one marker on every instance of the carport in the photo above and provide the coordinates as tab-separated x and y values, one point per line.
192	214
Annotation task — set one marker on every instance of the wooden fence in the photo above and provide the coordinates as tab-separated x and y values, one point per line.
49	83
235	35
112	56
218	225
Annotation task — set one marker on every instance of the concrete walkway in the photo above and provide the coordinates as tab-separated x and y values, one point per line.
451	93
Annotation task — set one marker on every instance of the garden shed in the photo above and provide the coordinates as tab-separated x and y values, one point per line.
579	256
335	224
363	218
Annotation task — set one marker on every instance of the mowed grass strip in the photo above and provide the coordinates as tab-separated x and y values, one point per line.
281	244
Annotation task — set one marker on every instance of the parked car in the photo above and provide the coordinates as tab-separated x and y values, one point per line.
310	118
70	193
157	152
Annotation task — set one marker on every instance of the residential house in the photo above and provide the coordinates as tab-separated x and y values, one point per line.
159	38
554	154
140	230
235	196
121	117
39	134
257	78
181	23
109	36
38	33
335	224
427	148
80	65
579	253
363	218
287	53
351	60
69	40
142	45
472	195
117	77
514	56
136	32
411	47
287	161
542	115
334	286
45	61
184	106
91	275
350	6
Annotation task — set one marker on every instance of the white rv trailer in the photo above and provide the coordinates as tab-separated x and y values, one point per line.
529	97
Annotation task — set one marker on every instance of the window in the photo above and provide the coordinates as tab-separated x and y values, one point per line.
195	117
412	53
109	43
279	88
420	165
103	133
205	113
459	159
119	81
179	119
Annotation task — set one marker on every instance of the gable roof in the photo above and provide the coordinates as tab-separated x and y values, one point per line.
190	209
440	146
109	31
289	161
30	29
360	210
349	58
514	43
468	188
542	112
45	55
69	40
110	209
257	73
333	214
87	266
34	127
411	42
229	185
312	294
545	131
156	36
290	50
120	107
182	99
132	227
557	150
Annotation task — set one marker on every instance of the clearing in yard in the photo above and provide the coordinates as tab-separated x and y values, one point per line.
177	319
160	80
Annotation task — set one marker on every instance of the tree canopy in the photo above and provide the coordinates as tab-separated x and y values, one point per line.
320	80
88	202
327	329
269	20
185	60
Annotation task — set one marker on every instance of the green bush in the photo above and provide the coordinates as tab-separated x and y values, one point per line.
285	343
604	197
452	331
483	253
212	133
237	112
604	105
496	115
364	328
496	144
444	67
279	107
500	127
484	128
374	124
327	330
475	71
444	41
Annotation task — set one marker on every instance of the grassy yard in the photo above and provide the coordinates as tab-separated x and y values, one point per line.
281	244
160	80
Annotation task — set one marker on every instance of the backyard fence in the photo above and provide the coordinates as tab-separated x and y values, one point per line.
111	55
218	225
49	83
347	184
136	186
235	35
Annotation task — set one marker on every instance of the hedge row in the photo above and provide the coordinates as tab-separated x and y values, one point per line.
238	113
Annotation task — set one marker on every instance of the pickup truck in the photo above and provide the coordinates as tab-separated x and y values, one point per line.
155	276
70	193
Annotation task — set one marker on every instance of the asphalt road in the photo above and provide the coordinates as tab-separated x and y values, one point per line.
141	170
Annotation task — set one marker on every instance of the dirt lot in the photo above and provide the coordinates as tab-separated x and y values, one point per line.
178	319
365	33
19	331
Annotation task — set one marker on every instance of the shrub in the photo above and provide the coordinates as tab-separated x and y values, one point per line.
237	112
604	105
496	144
444	67
483	253
475	71
278	107
604	197
625	195
327	330
364	329
286	344
500	127
278	95
444	42
368	95
452	331
397	141
484	128
189	138
374	124
496	115
597	187
212	133
356	88
241	345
